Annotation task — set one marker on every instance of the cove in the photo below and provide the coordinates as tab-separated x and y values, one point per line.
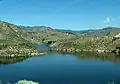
59	68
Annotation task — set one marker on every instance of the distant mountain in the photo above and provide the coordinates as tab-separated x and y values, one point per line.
72	31
106	39
43	34
14	39
109	31
36	28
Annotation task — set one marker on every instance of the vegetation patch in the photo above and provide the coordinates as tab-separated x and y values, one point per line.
26	82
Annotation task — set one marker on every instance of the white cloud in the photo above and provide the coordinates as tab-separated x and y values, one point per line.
107	20
111	21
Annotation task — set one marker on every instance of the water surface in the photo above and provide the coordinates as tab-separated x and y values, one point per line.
56	68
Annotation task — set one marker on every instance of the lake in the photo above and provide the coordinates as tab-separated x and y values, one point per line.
59	68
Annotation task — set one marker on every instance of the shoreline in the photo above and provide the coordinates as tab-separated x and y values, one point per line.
73	50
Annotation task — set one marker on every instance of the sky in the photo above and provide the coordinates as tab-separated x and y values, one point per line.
62	14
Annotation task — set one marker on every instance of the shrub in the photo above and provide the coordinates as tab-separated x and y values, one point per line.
26	82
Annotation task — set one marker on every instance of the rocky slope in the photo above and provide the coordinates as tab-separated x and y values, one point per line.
20	40
85	43
42	34
11	42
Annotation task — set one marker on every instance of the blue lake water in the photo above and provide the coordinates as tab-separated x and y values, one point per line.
56	68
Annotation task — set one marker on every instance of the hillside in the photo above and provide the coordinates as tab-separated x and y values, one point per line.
42	34
21	40
89	43
109	31
11	42
15	39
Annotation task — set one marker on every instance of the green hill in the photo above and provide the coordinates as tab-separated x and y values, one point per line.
11	42
21	40
111	31
89	43
15	39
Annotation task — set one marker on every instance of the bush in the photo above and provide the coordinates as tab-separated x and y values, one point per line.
26	82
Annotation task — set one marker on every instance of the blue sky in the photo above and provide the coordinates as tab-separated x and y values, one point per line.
62	14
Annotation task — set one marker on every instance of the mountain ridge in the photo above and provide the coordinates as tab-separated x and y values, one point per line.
26	37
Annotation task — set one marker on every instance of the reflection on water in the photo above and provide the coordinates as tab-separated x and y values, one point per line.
12	60
57	68
81	56
110	57
103	56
